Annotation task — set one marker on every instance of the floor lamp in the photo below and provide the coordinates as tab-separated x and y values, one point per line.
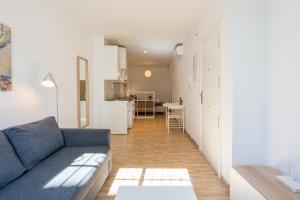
49	82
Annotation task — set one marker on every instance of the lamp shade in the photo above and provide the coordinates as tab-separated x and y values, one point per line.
148	73
48	81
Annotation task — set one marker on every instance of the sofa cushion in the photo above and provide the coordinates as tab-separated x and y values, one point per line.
10	165
67	174
35	141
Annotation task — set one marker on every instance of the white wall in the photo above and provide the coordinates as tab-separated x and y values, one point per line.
45	39
266	82
159	81
226	38
98	82
249	88
260	46
183	67
218	13
243	64
190	92
283	83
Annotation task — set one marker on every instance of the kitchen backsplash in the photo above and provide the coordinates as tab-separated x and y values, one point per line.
115	89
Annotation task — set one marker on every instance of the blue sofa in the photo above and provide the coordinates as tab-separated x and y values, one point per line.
39	161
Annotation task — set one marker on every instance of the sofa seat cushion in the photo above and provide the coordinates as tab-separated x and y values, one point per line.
10	165
35	141
68	174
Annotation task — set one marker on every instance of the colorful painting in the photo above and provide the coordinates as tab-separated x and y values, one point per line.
5	58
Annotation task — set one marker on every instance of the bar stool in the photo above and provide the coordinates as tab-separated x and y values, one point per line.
174	116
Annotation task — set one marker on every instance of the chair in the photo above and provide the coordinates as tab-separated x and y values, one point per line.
174	116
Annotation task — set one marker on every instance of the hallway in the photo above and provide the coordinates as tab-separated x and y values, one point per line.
148	156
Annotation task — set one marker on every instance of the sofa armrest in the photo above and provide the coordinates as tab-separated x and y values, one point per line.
86	137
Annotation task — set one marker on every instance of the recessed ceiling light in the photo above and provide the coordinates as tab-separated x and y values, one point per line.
145	51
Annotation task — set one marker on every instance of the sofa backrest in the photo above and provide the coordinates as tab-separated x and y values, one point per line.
36	141
10	165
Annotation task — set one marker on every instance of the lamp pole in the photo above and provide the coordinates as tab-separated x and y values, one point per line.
57	115
49	82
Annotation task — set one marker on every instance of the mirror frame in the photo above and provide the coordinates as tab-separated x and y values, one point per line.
87	92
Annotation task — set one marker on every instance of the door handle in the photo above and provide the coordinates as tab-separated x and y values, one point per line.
201	96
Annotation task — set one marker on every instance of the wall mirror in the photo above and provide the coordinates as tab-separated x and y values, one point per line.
82	92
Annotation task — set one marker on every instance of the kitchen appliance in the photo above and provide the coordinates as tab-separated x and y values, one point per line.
131	113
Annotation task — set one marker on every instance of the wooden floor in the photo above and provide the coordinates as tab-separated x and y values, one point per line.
149	156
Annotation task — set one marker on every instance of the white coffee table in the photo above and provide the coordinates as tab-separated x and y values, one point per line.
155	193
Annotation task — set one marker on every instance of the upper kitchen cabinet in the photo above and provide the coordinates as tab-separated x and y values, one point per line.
111	63
115	62
122	58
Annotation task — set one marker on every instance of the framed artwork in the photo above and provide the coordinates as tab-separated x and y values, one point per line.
5	58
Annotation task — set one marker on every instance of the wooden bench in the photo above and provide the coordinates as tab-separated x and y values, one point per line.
258	183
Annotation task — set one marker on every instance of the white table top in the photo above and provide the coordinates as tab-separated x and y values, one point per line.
156	193
173	106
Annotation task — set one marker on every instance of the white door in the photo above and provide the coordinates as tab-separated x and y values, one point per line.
211	134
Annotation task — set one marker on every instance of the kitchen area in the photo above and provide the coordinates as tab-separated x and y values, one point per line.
118	106
130	93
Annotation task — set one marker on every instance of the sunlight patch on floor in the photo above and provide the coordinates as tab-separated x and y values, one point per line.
125	177
167	177
150	177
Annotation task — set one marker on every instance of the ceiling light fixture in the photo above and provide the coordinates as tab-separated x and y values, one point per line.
145	51
148	73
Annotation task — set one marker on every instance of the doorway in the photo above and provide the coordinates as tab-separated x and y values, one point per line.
211	100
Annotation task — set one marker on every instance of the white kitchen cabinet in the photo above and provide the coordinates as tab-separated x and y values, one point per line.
122	58
115	62
115	117
111	63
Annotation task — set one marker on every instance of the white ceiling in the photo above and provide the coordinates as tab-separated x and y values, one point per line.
155	25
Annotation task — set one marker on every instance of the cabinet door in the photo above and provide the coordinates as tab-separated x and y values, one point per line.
111	63
122	58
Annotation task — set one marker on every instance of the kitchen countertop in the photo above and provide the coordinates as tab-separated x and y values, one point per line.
121	99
